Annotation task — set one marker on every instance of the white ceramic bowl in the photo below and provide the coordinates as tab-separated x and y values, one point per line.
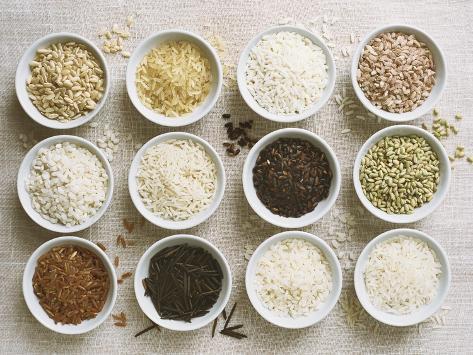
241	76
197	218
440	68
32	300
142	271
442	189
154	41
322	208
423	312
23	72
286	321
24	172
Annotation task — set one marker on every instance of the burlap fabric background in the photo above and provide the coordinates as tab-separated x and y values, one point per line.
234	225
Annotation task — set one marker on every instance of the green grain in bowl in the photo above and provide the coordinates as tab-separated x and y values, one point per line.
400	173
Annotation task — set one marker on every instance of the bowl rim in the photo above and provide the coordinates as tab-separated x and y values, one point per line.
337	278
198	218
259	208
441	66
442	188
317	105
181	239
20	85
25	168
406	319
153	116
29	296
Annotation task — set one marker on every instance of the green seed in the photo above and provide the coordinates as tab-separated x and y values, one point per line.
399	173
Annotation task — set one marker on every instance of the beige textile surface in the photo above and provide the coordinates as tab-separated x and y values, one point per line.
234	225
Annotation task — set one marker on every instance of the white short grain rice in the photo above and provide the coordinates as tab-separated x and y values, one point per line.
293	278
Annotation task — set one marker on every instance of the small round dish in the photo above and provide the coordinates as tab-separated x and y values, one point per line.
152	42
241	76
197	218
440	69
142	271
423	312
442	189
299	322
260	209
24	172
23	72
32	300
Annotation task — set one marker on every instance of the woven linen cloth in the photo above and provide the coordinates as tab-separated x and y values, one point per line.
235	225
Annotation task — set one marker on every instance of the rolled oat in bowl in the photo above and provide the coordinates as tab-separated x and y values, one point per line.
396	72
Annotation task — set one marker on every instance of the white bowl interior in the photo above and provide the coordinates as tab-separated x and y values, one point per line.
442	189
241	76
423	312
32	300
154	41
322	208
24	173
142	271
440	68
289	322
23	72
198	217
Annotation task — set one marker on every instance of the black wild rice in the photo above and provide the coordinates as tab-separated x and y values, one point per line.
184	282
291	176
214	326
231	331
154	325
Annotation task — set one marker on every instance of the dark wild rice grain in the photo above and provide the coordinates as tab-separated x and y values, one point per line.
184	282
291	176
148	329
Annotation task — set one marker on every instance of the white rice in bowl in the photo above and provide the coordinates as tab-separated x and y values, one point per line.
176	179
67	184
293	278
401	275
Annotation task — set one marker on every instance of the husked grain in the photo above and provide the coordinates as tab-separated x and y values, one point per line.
396	72
66	81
